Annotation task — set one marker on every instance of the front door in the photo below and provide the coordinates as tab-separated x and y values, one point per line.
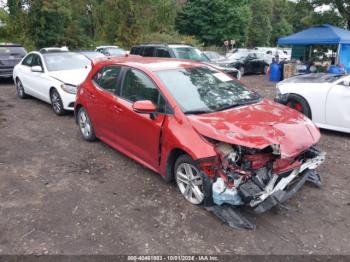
140	133
338	104
39	81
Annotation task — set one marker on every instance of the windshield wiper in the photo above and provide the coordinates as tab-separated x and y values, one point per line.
197	112
241	103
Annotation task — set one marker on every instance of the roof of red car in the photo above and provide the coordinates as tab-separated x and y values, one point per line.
150	63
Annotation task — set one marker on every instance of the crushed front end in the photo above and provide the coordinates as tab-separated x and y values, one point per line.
260	179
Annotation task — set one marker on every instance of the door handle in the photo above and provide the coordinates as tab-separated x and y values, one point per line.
90	95
117	109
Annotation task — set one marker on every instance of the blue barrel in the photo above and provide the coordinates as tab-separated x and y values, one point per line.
333	69
275	72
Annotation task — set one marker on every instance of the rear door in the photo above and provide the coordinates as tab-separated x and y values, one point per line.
140	133
338	104
103	103
148	51
162	52
23	72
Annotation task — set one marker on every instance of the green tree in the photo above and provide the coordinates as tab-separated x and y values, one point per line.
215	21
342	6
48	21
279	21
260	29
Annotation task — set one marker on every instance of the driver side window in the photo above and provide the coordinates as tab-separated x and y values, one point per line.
138	86
36	61
28	60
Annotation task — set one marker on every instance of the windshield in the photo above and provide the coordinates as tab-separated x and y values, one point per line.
65	61
92	54
203	89
238	56
190	53
115	51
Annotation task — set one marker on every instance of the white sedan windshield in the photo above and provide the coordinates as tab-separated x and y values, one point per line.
65	61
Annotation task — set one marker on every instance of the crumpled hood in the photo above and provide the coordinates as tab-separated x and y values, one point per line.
73	77
258	126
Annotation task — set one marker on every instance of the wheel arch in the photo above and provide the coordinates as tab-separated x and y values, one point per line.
76	110
174	154
299	96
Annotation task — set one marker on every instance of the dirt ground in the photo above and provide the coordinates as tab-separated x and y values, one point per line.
61	195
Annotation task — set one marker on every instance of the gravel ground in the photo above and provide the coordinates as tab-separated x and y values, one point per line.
61	195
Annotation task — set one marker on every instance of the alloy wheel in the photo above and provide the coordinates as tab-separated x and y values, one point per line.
190	183
296	106
20	89
56	102
84	124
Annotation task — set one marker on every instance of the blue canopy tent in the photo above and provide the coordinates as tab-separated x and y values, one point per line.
323	35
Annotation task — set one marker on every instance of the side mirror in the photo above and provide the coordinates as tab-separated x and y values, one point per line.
37	69
346	83
144	107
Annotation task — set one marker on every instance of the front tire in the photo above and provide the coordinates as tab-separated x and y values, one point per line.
242	70
300	104
191	182
85	125
56	102
20	90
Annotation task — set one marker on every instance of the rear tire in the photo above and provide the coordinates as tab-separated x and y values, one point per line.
85	125
56	102
300	104
20	90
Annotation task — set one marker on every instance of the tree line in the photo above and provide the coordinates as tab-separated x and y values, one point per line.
87	23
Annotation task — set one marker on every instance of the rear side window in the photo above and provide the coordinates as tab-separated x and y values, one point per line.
28	60
107	78
148	51
162	52
135	50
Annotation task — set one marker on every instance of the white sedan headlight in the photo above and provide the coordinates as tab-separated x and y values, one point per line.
71	89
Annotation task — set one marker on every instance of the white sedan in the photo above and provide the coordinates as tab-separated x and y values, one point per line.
52	77
324	98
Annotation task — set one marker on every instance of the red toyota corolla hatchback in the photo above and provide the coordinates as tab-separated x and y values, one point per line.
189	122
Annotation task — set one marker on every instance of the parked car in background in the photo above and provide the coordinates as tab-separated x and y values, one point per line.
111	50
10	56
179	51
52	77
214	56
53	49
247	62
220	142
272	52
91	54
324	98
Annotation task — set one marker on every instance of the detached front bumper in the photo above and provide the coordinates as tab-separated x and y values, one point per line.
279	189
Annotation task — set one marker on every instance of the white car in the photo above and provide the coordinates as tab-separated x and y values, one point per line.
324	98
52	77
111	50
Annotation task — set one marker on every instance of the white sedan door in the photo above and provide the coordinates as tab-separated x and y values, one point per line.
39	82
338	104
